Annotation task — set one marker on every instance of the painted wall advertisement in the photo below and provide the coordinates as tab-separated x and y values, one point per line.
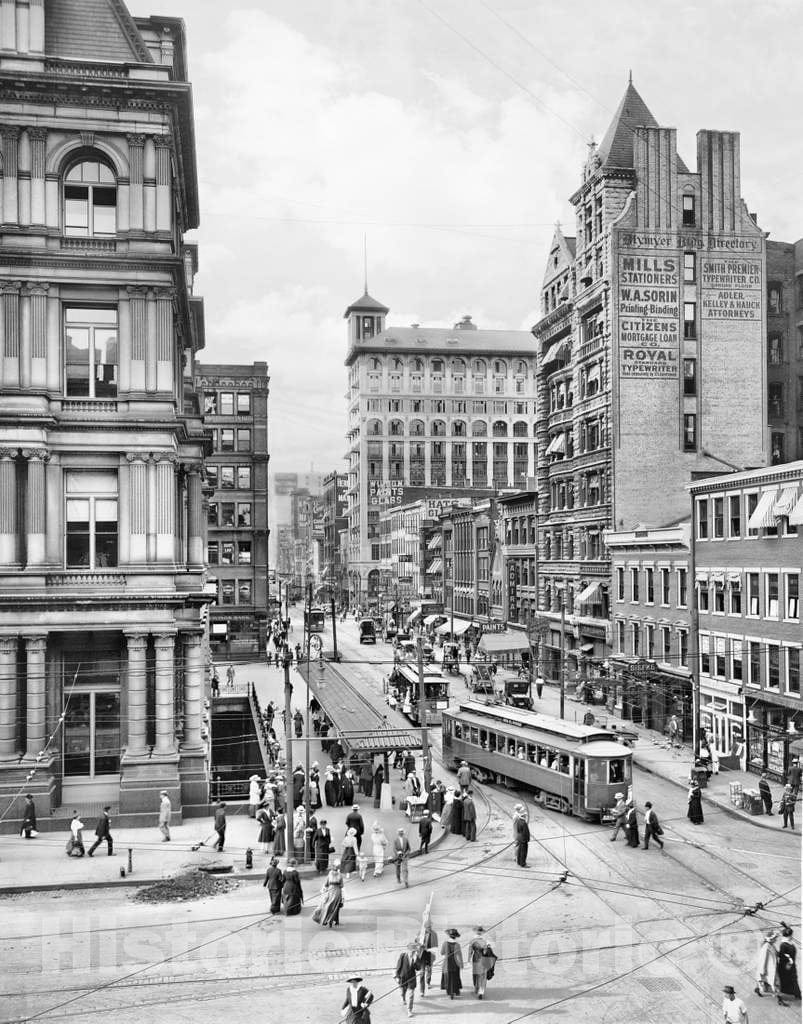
649	316
731	287
385	493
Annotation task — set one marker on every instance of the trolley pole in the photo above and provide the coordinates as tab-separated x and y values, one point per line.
422	705
306	721
288	750
334	633
562	675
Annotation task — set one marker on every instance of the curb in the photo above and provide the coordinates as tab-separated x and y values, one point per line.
728	809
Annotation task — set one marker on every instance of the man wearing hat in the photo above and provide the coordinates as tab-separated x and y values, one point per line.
355	1005
733	1009
406	975
464	776
619	815
521	834
424	832
401	850
354	820
165	810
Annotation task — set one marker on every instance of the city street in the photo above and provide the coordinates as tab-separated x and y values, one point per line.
628	935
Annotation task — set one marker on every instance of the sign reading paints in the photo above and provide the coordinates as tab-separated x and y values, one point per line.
649	316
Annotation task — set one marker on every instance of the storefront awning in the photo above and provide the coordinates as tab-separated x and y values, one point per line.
500	643
735	580
785	503
435	566
434	542
701	576
588	595
414	617
430	620
762	517
557	446
460	626
796	515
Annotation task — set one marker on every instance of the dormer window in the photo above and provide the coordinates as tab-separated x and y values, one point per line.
90	201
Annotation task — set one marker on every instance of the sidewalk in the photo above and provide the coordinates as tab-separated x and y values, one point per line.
41	864
652	754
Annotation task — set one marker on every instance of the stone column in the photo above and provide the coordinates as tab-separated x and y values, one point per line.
9	142
38	140
150	343
35	505
164	644
35	647
138	507
163	177
195	517
164	339
10	292
193	690
136	165
8	698
54	503
123	512
137	693
124	342
8	506
38	334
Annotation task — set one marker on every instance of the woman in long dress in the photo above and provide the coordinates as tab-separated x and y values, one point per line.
292	893
695	812
457	815
348	860
787	965
265	828
280	835
452	964
254	796
327	912
767	965
274	880
379	843
366	778
446	813
482	959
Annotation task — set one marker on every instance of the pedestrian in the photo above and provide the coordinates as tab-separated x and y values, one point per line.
230	676
298	724
354	820
298	652
220	825
652	827
299	781
266	833
406	974
457	815
767	965
347	787
521	834
435	799
539	685
329	790
215	684
483	960
787	807
695	811
469	817
787	964
428	942
321	846
412	788
424	832
165	811
103	831
452	963
279	833
327	913
348	859
379	779
274	880
672	730
75	844
401	854
619	815
464	776
366	778
765	793
408	764
254	796
446	809
378	844
29	817
355	1009
631	826
292	893
362	865
733	1009
794	777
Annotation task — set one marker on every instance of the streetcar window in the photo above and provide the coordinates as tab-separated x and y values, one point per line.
616	770
458	731
531	753
597	771
543	757
511	748
475	739
521	753
564	764
493	741
483	739
554	763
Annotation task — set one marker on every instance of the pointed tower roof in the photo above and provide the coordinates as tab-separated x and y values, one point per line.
93	30
616	149
366	304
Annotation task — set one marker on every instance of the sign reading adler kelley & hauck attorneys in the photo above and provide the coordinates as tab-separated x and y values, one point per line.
649	316
731	287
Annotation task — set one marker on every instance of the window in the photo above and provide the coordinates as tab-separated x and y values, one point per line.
650	631
702	596
775	399
212	475
755	663
91	520
244	552
775	349
244	513
736	660
210	403
683	641
634	585
719	598
243	439
227	592
702	519
620	584
689	376
689	432
226	403
771	611
212	552
227	552
752	503
620	636
777	444
752	594
689	212
244	478
719	518
665	587
374	383
734	515
774	298
90	201
689	319
735	591
227	477
719	656
243	403
636	639
227	440
91	352
666	644
689	267
773	667
705	654
683	577
227	514
650	578
793	670
792	596
211	514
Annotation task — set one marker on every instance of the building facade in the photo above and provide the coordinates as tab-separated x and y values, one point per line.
519	527
333	574
235	404
651	353
748	558
102	532
785	350
441	411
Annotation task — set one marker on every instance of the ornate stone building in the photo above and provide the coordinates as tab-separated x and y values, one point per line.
102	532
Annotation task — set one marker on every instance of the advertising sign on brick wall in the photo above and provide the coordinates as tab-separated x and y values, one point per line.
649	316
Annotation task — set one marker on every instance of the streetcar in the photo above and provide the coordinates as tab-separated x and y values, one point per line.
315	619
436	694
575	769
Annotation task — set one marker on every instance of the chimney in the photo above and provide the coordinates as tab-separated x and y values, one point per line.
465	324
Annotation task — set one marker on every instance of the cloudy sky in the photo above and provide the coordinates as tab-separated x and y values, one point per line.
450	133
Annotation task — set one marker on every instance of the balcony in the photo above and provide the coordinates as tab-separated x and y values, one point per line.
591	348
96	579
561	416
92	406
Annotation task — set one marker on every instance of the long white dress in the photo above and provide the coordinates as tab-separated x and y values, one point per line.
767	965
378	844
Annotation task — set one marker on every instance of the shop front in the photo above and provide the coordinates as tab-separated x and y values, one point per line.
773	734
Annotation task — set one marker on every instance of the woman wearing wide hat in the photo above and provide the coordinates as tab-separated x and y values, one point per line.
483	960
452	963
358	999
787	965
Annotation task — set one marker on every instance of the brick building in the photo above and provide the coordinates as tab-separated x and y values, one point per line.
519	584
785	350
333	575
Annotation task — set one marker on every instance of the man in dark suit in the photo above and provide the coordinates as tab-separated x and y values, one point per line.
354	820
220	825
424	832
521	835
652	827
321	841
358	999
407	967
469	817
765	792
103	831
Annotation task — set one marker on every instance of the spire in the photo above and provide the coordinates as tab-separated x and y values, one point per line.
365	262
616	149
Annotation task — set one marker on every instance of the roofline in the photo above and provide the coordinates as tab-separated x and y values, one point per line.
725	481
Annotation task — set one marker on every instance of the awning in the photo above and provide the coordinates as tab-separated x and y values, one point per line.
414	617
588	594
785	503
735	580
460	626
796	515
593	373
701	576
718	577
763	517
586	648
430	619
435	566
554	351
434	542
498	643
557	446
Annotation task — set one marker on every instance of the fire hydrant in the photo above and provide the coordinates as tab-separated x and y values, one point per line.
249	858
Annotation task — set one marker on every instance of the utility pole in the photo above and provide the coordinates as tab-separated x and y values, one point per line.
288	750
334	632
530	657
562	653
423	716
306	718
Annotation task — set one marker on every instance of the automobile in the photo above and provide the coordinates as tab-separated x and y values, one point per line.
367	631
481	679
402	635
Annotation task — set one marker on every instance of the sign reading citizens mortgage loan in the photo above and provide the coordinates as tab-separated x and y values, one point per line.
649	316
731	287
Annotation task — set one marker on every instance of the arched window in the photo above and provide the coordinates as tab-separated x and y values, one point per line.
374	363
416	428
500	428
397	363
90	200
479	428
396	427
521	368
458	428
374	428
438	428
478	366
500	367
417	364
459	366
520	428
